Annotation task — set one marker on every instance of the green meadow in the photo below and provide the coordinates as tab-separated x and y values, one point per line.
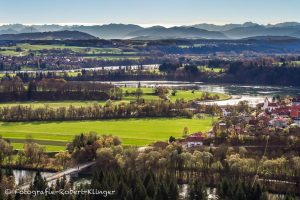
189	95
53	104
49	148
27	48
148	95
136	132
208	69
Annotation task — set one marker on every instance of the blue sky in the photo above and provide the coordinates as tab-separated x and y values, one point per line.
148	12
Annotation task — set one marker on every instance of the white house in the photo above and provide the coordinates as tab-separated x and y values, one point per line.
225	112
269	106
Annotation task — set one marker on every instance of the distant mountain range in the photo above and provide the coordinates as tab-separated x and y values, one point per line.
56	35
131	31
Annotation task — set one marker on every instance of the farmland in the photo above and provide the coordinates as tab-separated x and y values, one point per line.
207	69
136	132
147	94
189	95
25	49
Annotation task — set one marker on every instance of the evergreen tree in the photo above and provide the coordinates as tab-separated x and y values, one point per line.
17	196
129	195
239	193
289	197
149	175
197	191
9	172
31	89
122	189
139	190
1	194
150	188
161	192
9	197
173	189
223	189
39	183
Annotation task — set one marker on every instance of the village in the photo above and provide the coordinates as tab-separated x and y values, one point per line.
276	117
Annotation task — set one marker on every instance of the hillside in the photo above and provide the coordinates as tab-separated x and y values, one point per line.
57	35
159	32
110	31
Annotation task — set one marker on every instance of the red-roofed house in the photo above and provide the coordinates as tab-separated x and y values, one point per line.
194	140
283	110
295	112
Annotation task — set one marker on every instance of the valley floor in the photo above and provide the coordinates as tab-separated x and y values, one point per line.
136	132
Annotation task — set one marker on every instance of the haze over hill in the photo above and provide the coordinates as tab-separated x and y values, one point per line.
197	31
56	35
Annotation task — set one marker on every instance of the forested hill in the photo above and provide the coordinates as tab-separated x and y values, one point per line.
56	35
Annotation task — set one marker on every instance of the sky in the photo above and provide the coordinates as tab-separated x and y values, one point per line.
148	12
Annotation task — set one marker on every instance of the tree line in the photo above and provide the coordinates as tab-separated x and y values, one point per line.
107	111
14	89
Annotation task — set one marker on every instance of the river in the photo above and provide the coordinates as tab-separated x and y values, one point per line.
252	93
25	176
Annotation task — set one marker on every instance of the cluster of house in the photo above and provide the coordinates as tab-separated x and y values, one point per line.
67	61
58	61
274	115
283	114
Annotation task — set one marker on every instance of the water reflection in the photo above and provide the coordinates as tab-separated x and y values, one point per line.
252	93
25	176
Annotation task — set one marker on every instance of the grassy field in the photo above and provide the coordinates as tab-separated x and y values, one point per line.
148	95
10	53
137	132
207	69
188	95
25	48
88	50
53	104
49	148
296	62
